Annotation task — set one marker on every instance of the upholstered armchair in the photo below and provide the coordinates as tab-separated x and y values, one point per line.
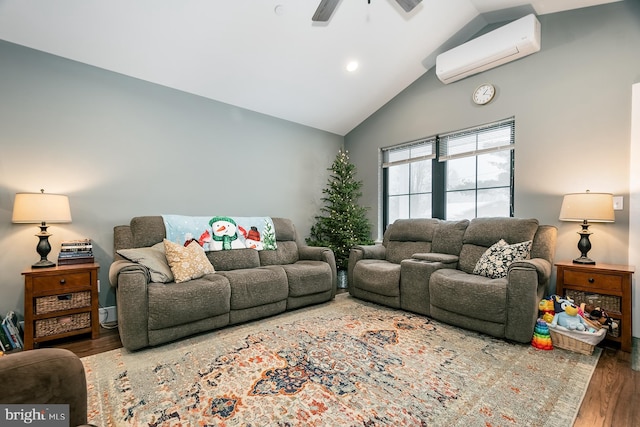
45	376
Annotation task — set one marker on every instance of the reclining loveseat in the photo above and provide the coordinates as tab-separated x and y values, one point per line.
434	267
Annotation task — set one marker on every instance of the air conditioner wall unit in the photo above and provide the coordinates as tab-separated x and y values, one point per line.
505	44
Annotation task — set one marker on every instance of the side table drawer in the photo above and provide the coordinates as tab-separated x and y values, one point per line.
60	282
52	303
62	324
593	280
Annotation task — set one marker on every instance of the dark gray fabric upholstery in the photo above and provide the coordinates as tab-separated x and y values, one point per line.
178	303
469	295
236	259
426	266
247	285
484	232
447	238
45	376
257	286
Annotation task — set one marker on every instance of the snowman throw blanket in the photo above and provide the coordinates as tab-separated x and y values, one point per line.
220	233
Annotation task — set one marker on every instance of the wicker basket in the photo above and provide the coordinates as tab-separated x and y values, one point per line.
580	342
62	302
606	302
59	325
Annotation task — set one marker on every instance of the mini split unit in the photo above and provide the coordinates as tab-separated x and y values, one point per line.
505	44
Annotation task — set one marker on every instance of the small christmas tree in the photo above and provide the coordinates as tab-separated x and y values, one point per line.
344	222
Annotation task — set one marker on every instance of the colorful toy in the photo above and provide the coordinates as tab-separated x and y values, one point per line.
567	315
546	308
541	336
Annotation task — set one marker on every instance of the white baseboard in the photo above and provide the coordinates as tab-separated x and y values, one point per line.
108	314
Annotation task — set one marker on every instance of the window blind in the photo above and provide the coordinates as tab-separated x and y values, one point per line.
408	152
477	140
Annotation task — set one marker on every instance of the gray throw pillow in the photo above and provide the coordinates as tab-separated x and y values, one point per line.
153	258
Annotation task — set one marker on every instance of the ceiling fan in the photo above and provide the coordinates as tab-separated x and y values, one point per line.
326	7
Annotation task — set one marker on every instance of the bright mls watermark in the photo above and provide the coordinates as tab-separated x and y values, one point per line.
34	415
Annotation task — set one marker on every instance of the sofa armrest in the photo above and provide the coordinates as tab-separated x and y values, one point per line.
415	275
131	282
377	251
45	376
527	283
126	267
321	253
360	252
541	266
436	257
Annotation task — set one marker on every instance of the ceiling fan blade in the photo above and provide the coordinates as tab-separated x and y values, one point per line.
408	5
325	10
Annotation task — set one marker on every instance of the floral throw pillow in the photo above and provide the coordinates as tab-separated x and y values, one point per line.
187	262
495	262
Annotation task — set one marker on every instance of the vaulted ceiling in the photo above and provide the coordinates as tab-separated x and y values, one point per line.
265	55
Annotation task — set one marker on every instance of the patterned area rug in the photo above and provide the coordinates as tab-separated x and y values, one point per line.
343	363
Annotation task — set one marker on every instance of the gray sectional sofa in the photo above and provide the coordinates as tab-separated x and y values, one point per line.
427	266
247	284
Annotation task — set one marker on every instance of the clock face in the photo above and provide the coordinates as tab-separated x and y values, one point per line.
483	94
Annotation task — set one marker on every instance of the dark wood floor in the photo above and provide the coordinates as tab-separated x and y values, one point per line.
612	399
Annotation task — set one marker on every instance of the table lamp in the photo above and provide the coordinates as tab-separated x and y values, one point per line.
34	208
584	207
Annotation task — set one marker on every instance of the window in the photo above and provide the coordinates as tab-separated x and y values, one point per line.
471	176
407	171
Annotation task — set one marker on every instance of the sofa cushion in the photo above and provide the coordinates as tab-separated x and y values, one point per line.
469	295
257	286
180	303
286	253
447	238
482	233
377	276
187	262
308	277
235	259
406	237
495	262
153	258
147	230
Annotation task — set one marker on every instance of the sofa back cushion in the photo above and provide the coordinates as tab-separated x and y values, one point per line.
147	231
447	239
286	242
406	237
234	259
482	233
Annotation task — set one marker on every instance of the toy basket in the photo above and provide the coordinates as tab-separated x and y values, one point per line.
580	342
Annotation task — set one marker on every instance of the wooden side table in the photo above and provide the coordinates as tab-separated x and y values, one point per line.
59	302
607	285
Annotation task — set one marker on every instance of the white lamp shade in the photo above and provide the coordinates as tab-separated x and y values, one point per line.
593	207
35	208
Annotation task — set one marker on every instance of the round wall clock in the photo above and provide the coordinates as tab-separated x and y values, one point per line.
483	94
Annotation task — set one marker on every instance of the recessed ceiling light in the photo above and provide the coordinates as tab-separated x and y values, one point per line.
279	10
352	66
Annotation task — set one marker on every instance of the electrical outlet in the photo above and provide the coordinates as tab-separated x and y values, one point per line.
618	203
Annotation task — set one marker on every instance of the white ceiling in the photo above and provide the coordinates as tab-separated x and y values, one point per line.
264	55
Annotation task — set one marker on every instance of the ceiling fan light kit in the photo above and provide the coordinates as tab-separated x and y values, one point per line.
326	7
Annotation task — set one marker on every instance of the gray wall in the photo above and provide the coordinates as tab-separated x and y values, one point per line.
120	147
572	103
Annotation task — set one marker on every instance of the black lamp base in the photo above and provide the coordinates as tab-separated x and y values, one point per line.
43	248
43	263
584	245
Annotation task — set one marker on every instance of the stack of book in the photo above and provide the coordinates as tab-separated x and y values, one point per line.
10	338
76	252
